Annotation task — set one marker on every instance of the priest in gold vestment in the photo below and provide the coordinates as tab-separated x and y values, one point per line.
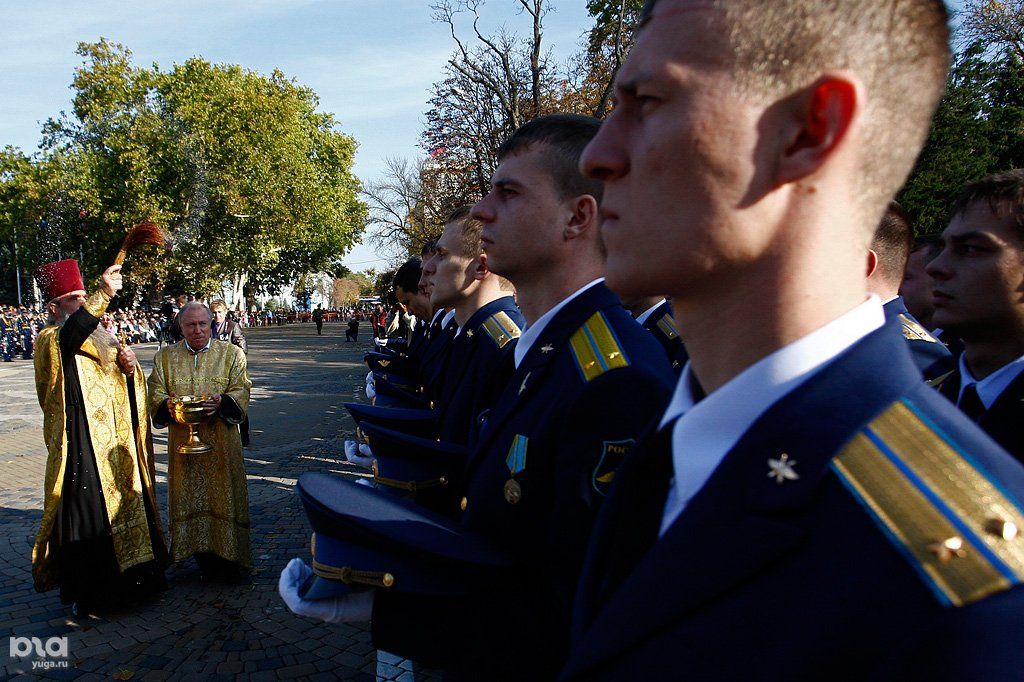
207	496
100	539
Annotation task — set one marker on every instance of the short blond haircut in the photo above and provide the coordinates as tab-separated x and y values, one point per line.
899	48
218	304
471	239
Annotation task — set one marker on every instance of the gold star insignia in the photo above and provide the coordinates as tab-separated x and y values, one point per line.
469	333
547	348
781	469
948	549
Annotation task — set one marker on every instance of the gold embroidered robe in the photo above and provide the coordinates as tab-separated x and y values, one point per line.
116	447
207	495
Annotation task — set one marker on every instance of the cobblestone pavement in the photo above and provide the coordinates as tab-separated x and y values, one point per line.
196	630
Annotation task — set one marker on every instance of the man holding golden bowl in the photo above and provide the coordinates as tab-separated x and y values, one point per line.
199	388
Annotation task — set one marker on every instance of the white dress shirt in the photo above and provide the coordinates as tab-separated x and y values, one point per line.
992	386
642	317
708	430
447	318
531	333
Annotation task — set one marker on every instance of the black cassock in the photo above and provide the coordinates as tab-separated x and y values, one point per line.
88	572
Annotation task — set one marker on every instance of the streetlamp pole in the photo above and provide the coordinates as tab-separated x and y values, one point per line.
17	268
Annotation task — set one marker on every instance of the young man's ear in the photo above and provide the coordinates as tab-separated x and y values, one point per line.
584	217
818	120
480	269
872	263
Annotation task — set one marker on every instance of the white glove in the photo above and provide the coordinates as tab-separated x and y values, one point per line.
363	458
371	388
352	608
358	453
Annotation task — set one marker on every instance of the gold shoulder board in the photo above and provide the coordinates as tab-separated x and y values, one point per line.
501	329
668	327
957	528
913	330
596	349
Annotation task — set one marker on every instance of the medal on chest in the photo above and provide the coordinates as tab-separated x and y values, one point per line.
516	462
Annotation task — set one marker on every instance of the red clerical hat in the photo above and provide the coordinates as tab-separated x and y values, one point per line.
57	279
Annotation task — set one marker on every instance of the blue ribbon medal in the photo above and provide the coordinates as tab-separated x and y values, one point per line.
516	462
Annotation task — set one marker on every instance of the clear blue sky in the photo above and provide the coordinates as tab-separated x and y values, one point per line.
370	61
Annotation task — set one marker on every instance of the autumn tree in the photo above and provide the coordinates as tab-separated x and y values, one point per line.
492	84
997	24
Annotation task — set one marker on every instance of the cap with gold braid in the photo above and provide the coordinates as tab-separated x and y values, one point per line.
367	540
415	421
410	457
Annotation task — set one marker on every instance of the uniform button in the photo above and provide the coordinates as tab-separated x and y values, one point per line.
1001	528
462	503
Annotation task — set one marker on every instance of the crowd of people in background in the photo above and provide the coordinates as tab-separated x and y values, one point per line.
20	325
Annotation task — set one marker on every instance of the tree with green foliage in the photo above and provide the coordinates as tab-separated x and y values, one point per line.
252	182
978	130
21	191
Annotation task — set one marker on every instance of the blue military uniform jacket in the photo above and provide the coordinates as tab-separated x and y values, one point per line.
401	360
6	338
930	355
420	335
1003	420
662	325
886	558
546	454
479	364
429	373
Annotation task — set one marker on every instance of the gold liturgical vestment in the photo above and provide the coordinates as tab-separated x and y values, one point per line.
123	456
207	496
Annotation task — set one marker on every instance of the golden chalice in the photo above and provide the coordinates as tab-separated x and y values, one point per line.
188	411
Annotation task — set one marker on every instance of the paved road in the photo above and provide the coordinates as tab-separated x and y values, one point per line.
195	630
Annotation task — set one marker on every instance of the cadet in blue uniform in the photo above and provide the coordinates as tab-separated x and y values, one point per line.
400	391
587	381
6	338
977	279
480	358
887	261
806	508
26	331
488	321
408	293
403	362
